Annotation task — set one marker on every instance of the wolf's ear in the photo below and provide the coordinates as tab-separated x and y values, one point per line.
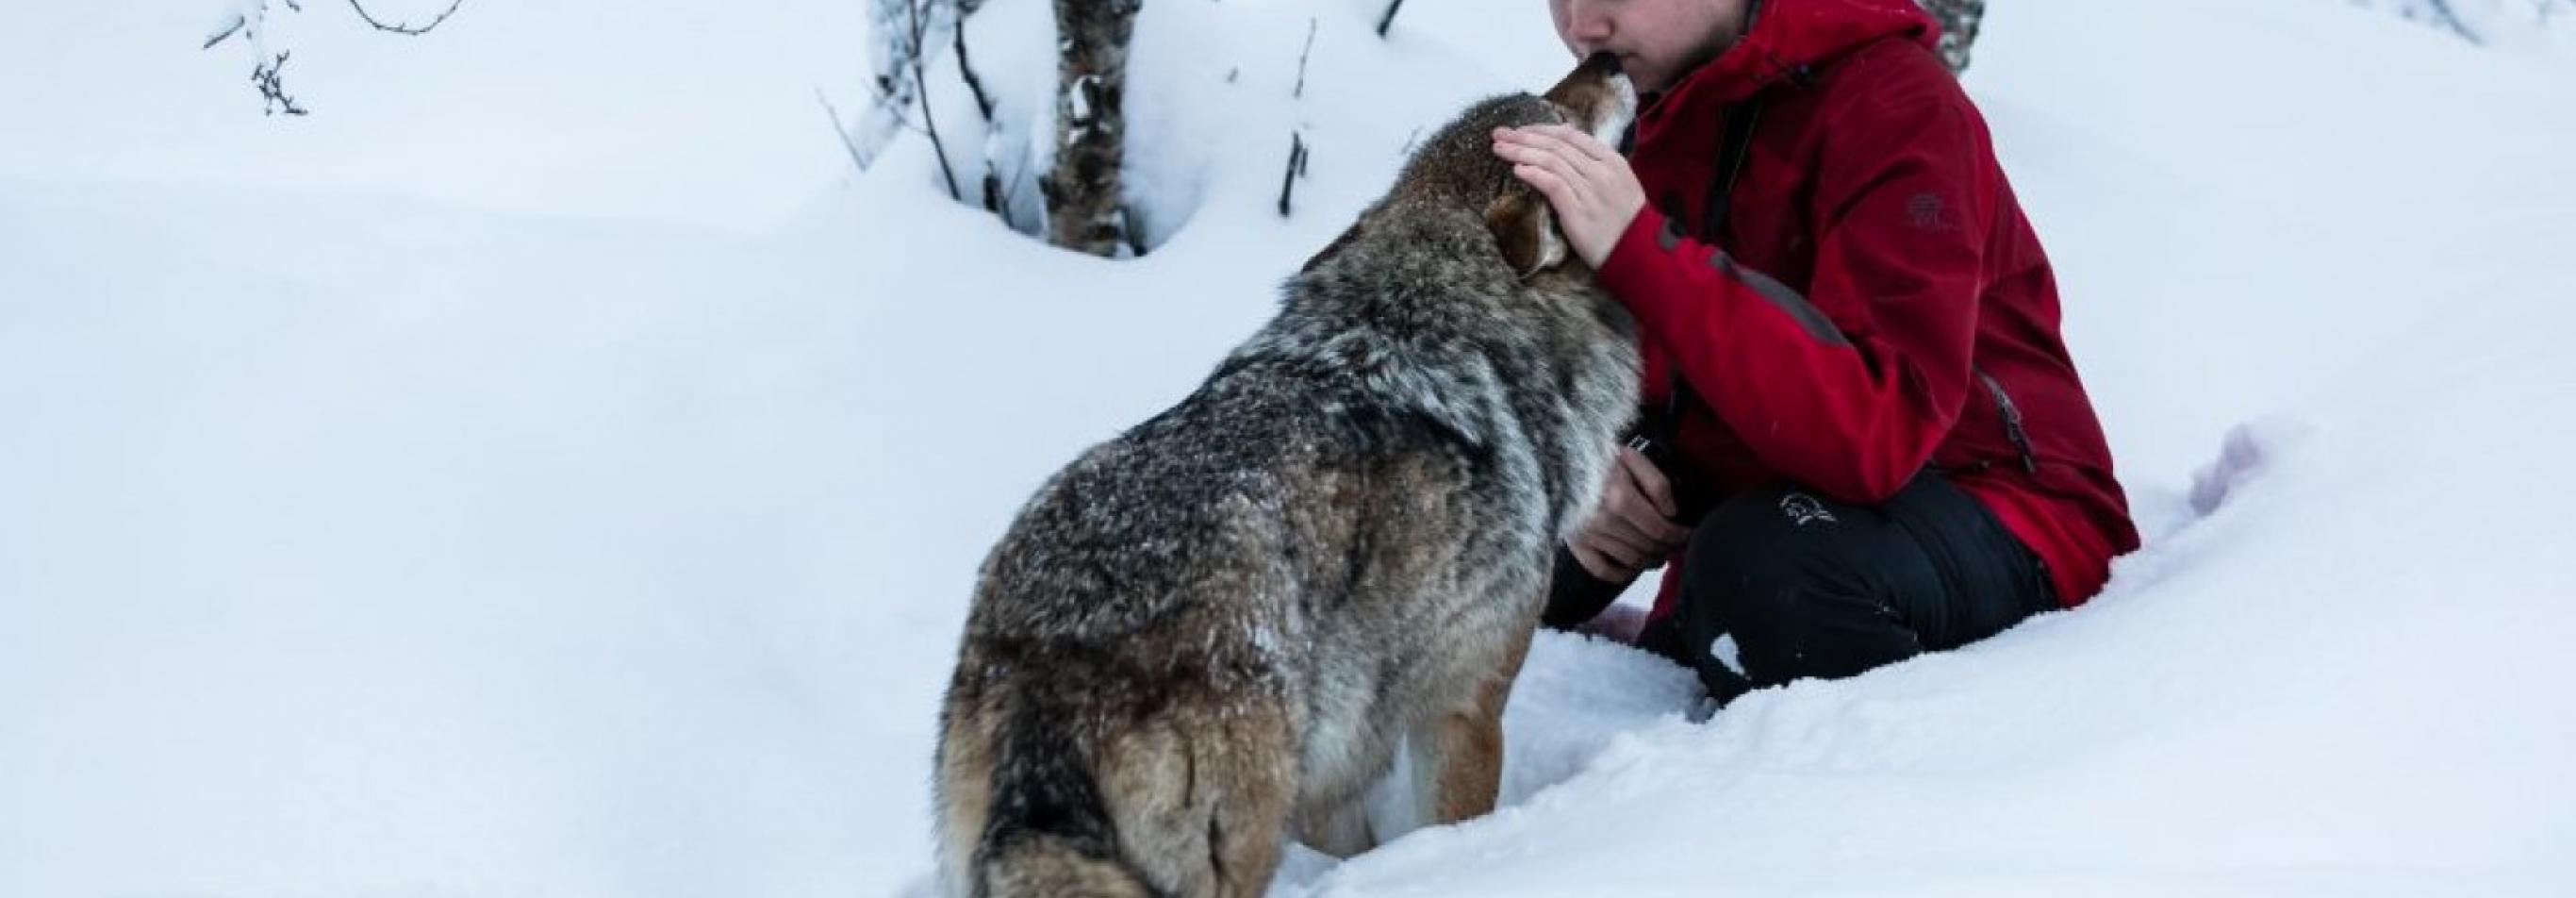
1525	228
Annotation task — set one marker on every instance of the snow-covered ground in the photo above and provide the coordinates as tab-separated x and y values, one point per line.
546	470
2541	26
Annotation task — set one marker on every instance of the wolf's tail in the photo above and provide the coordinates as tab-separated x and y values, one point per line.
1049	834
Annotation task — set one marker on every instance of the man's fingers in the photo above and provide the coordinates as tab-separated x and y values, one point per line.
1645	527
1559	194
1569	161
1639	527
1565	169
1579	141
1557	139
1626	525
1619	549
1650	480
1615	535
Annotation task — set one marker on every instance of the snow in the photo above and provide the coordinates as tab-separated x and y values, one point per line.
2530	26
547	469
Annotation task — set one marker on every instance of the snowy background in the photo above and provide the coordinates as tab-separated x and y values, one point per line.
549	469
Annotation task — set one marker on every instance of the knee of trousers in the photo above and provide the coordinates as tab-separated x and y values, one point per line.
1768	567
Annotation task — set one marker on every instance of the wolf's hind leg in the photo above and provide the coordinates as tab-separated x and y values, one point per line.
1244	840
1458	756
1203	797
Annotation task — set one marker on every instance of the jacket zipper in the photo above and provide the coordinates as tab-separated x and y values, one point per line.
2012	422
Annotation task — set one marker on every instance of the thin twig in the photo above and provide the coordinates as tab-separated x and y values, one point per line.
994	200
1300	92
269	78
921	93
2451	20
840	130
1128	221
227	31
1386	21
1296	166
404	27
983	102
244	20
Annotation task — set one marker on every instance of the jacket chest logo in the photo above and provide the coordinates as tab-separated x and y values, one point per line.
1925	211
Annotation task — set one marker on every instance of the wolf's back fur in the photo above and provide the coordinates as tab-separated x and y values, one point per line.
1214	631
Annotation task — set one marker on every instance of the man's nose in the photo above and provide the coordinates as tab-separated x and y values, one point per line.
1587	24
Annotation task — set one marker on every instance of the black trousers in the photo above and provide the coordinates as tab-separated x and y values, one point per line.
1812	587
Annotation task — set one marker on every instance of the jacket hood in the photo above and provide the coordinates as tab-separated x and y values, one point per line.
1791	36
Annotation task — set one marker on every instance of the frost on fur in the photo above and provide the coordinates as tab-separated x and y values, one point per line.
904	37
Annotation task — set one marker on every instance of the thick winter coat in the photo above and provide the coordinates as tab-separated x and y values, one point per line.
1875	302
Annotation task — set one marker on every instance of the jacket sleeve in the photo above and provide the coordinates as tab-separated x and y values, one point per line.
1853	403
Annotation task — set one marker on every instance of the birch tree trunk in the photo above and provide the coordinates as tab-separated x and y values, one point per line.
1084	208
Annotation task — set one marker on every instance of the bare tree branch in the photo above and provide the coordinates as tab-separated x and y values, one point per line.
1301	58
1388	20
1296	169
224	31
250	21
404	27
975	85
240	21
930	124
840	130
272	89
2445	17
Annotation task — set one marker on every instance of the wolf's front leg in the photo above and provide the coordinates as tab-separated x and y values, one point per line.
1458	757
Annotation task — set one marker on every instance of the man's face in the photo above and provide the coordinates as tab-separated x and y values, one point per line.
1657	41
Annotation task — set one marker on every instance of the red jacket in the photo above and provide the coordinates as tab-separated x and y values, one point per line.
1875	304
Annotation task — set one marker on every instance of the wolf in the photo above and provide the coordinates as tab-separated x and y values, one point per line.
1217	630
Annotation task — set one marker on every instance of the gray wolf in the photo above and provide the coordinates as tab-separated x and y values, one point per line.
1217	630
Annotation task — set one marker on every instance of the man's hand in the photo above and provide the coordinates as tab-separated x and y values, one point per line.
1594	192
1633	528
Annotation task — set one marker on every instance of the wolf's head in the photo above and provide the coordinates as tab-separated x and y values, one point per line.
1456	168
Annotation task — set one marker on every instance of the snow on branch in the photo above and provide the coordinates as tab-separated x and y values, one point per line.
907	33
920	27
249	19
244	17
